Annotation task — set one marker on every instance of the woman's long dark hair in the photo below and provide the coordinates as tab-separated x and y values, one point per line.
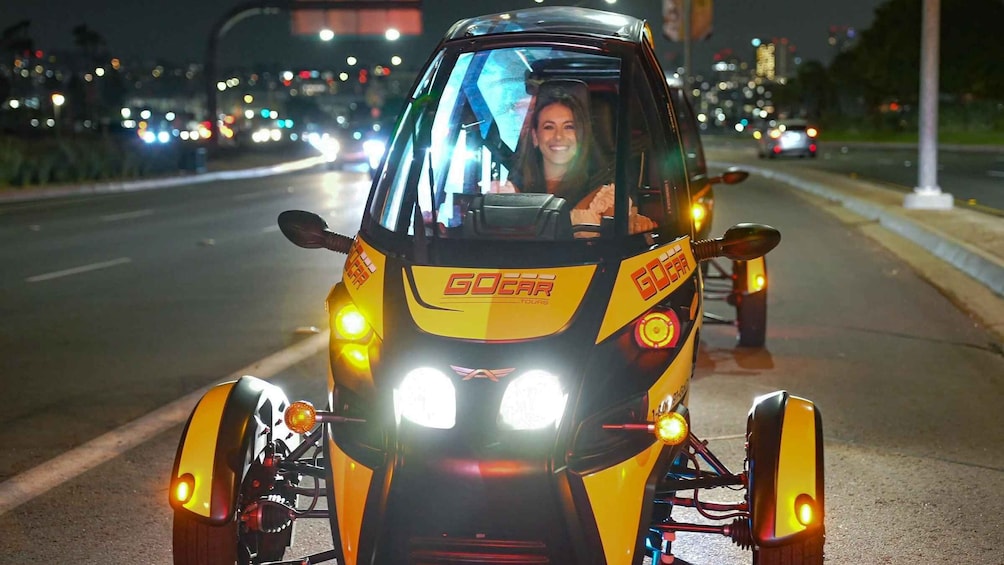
528	169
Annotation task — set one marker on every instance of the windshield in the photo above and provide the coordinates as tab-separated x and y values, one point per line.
522	144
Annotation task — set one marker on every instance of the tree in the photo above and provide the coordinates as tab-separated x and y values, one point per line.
810	94
15	42
93	52
886	61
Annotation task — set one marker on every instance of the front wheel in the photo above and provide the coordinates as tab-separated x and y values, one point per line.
803	552
198	543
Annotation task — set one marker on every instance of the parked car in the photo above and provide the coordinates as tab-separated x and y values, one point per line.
794	137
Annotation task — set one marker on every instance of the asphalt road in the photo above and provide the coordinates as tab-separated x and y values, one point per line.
909	387
974	177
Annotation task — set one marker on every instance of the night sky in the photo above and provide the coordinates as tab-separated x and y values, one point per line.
177	30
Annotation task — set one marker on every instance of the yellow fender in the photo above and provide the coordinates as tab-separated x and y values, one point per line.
229	427
784	435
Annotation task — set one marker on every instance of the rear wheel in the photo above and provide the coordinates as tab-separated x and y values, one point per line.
803	552
751	318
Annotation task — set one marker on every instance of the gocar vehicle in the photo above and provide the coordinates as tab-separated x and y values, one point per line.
793	137
510	362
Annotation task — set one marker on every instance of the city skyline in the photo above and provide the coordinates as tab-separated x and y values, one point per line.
178	31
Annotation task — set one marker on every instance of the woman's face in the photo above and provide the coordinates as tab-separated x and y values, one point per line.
555	136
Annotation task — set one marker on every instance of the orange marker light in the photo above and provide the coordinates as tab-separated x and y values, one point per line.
698	212
759	282
300	416
671	428
812	132
805	509
184	487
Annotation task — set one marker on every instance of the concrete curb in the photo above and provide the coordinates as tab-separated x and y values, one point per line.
979	265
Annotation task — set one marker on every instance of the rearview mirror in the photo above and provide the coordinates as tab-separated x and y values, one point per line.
741	242
733	175
310	231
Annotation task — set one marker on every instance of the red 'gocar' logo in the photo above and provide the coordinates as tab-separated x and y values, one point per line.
661	272
499	284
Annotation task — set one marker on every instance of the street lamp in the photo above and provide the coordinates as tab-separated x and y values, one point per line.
57	101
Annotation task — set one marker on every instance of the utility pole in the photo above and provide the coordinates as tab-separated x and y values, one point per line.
927	194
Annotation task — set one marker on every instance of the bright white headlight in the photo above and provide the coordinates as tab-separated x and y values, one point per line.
374	151
532	401
426	397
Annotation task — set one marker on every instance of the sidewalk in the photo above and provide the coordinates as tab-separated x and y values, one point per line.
960	251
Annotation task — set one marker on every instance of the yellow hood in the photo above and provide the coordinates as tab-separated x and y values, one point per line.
495	304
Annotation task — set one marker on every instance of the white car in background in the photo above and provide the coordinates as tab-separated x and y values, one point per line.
794	137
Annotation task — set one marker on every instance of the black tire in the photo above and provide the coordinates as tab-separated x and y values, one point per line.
197	543
804	552
751	319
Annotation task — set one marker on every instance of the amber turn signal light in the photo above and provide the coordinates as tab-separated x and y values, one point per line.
671	428
350	323
183	488
300	416
805	509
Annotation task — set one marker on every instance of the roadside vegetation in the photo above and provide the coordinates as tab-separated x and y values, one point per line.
871	91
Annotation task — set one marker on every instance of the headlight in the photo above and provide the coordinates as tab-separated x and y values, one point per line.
532	401
374	152
325	144
426	397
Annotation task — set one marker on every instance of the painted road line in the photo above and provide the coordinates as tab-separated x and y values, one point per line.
997	174
62	468
252	196
127	215
78	270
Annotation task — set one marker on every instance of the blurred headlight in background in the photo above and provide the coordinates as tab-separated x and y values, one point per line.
325	144
374	152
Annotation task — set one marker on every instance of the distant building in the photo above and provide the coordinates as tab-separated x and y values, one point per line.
775	61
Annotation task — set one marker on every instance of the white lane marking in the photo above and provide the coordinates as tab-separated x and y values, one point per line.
78	270
252	195
270	229
127	215
999	174
66	466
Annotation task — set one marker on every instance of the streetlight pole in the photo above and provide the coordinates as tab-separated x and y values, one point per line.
927	194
